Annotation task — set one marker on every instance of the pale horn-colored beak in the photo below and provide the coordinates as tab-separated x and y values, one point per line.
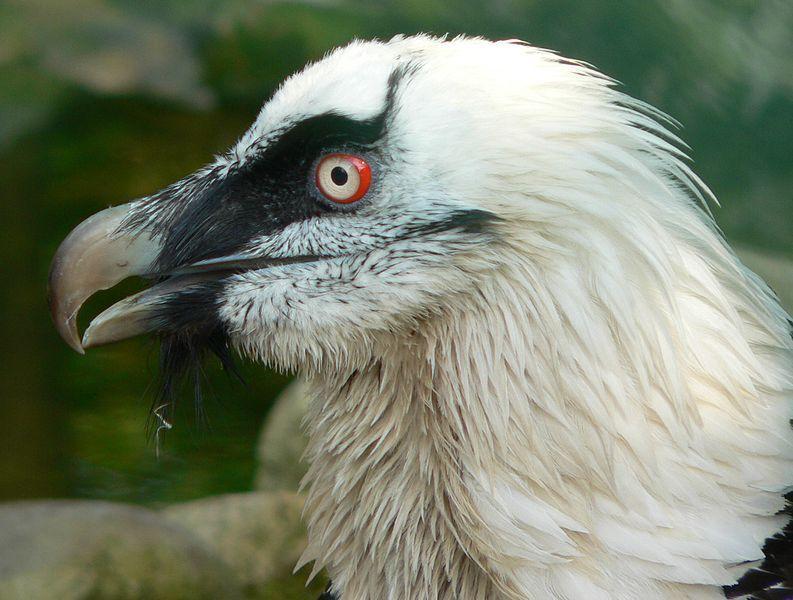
94	256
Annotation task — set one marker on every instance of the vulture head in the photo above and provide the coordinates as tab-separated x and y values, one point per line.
537	369
365	196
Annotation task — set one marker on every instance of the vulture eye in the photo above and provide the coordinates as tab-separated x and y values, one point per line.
343	178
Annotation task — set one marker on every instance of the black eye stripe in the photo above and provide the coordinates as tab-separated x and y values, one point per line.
313	135
218	211
264	195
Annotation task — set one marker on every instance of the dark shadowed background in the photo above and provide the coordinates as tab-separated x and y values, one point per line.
102	101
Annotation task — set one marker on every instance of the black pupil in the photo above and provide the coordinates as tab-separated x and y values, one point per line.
339	176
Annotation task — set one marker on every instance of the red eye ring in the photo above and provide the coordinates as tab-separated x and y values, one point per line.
343	178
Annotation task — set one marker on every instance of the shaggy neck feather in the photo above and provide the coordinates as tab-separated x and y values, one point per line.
527	430
388	504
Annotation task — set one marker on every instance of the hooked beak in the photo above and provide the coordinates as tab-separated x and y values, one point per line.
100	253
97	255
94	256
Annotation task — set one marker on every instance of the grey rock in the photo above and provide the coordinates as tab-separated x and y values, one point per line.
282	441
73	549
259	535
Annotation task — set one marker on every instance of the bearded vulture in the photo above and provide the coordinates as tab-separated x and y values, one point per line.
538	370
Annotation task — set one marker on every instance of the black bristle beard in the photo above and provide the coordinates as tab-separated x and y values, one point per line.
181	370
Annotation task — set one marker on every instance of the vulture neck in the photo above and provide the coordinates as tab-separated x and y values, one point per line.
395	447
494	450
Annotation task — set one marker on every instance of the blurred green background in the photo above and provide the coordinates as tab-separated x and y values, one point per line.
102	101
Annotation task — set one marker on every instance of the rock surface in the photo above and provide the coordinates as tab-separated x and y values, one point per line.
282	441
224	547
81	549
258	535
